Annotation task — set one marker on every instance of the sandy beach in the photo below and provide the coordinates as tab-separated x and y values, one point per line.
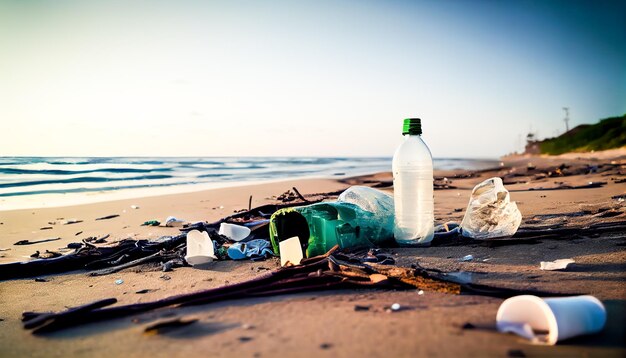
327	324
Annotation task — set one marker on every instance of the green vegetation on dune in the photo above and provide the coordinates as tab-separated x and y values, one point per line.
609	133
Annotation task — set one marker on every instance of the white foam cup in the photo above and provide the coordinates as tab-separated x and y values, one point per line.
558	318
200	248
234	232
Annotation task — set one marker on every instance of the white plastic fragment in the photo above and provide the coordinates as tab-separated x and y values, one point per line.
290	251
134	206
172	222
420	292
200	249
467	258
556	264
119	282
549	320
490	212
395	307
234	232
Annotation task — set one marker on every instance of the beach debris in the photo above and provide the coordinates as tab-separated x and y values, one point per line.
490	213
78	233
74	245
151	223
395	307
28	242
253	249
420	292
200	248
39	279
244	339
173	222
326	345
167	326
46	228
234	232
35	255
362	308
71	221
556	264
4	249
549	320
134	206
466	258
290	251
165	277
107	217
333	270
119	281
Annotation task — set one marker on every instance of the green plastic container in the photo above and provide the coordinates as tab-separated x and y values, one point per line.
323	225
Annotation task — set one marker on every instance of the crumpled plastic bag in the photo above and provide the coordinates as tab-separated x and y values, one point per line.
490	212
375	201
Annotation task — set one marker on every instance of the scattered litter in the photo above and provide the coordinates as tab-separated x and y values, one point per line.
490	213
252	249
290	251
549	320
134	206
466	258
395	307
420	292
71	221
38	279
173	222
46	228
108	217
234	232
119	282
200	249
78	233
362	308
151	223
556	264
167	326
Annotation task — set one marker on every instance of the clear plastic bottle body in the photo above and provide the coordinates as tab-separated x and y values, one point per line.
412	169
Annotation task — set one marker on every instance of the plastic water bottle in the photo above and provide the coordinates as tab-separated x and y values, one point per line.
413	187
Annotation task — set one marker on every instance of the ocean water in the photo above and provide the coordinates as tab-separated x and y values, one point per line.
23	177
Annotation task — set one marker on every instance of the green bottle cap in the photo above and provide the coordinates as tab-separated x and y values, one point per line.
412	126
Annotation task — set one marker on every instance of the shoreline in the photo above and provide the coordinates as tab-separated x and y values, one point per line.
327	323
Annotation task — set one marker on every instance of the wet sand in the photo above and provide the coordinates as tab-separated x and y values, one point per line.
327	324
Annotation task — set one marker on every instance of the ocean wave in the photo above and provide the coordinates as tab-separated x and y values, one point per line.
81	180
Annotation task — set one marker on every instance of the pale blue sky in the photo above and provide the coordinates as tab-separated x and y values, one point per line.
302	78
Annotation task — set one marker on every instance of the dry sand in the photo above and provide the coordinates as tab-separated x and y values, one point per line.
324	324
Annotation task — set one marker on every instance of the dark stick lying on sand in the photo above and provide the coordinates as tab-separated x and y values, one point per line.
28	242
327	272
